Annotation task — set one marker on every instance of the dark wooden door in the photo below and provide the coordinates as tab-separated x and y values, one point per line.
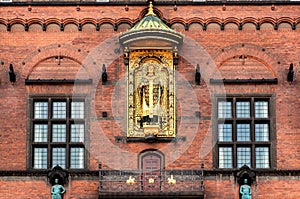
151	176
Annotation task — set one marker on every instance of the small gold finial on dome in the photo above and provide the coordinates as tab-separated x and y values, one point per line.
150	10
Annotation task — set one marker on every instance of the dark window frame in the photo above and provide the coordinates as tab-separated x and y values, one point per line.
271	120
50	121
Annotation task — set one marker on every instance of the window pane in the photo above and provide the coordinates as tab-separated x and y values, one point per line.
262	157
224	109
261	109
59	110
243	156
77	158
59	157
225	132
58	133
262	132
40	110
40	158
243	132
77	132
225	157
40	133
77	110
242	109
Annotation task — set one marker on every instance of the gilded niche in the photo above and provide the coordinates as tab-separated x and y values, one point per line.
151	94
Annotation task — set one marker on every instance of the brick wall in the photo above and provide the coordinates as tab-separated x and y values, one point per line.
270	52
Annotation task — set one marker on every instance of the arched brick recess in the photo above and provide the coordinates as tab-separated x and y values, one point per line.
256	52
44	53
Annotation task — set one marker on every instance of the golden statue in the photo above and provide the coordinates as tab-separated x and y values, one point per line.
149	101
151	96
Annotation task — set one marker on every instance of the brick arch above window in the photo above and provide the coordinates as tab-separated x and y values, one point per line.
245	67
58	67
47	52
256	54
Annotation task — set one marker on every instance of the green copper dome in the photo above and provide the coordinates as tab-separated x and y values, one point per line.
151	21
151	32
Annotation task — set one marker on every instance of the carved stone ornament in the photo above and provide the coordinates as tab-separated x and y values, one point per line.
151	94
58	173
245	173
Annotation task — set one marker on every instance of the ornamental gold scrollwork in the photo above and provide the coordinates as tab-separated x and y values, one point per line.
151	94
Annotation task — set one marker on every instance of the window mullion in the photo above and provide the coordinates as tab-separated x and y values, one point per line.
67	155
49	147
234	154
234	108
252	114
49	108
253	155
68	115
49	155
234	131
252	130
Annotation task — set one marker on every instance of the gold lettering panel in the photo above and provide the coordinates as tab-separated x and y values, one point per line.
151	94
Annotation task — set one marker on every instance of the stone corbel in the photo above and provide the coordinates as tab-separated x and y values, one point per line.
245	173
58	173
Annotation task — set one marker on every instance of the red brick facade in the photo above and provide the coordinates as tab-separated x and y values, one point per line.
215	37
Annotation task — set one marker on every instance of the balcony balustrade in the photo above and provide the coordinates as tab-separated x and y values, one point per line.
151	183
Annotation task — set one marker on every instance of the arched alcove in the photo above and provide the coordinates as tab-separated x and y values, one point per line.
151	154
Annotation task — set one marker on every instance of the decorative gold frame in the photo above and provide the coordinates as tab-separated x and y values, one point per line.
151	101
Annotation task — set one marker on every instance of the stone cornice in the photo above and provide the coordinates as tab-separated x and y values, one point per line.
116	22
124	2
215	172
40	173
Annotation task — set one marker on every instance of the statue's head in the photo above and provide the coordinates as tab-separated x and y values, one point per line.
150	69
56	181
245	181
